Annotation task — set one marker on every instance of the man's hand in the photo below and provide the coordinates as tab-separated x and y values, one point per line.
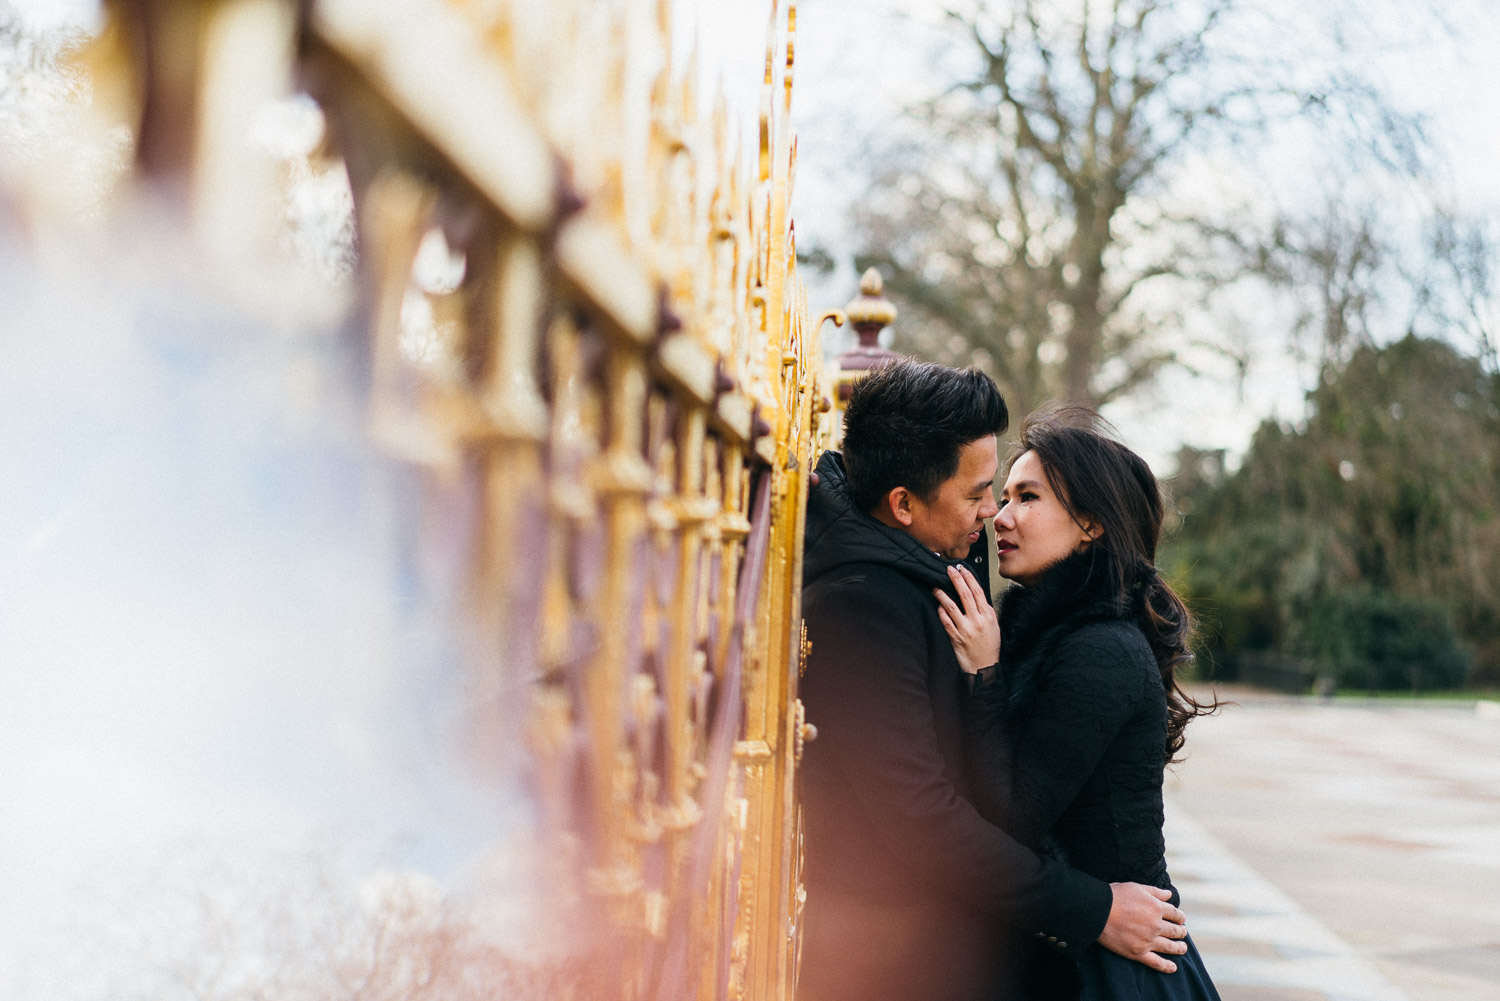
1143	923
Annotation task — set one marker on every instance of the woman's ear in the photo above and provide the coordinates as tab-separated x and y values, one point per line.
1091	528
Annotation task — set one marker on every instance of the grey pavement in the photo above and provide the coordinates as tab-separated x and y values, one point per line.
1347	851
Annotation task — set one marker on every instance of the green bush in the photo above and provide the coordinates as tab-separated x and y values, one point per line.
1371	639
1359	540
1485	672
1229	622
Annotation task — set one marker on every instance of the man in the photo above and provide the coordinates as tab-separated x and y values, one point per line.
911	894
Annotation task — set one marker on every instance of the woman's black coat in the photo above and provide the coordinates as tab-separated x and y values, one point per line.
1067	738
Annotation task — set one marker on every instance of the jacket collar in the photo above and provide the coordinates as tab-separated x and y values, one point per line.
839	533
1079	588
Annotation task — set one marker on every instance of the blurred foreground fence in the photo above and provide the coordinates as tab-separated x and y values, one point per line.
615	399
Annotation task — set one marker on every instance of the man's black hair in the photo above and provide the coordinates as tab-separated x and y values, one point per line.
906	424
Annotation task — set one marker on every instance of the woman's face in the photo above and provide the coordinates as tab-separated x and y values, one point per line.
1033	530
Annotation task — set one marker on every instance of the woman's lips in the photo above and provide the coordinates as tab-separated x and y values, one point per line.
1004	547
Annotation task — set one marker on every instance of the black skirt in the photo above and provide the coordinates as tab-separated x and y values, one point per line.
1101	975
1105	976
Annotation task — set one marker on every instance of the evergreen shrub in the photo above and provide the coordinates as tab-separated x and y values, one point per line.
1379	641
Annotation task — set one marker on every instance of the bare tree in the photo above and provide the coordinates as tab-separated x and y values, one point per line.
1031	220
1463	252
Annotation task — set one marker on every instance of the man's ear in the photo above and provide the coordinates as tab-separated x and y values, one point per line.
898	503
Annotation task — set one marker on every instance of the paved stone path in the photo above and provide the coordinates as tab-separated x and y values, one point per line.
1347	851
1257	942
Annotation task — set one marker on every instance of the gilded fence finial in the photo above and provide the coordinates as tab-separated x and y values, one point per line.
869	313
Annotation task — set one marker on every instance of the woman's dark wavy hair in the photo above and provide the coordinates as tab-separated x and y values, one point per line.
1101	480
907	422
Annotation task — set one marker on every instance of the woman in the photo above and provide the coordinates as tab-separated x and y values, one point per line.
1074	717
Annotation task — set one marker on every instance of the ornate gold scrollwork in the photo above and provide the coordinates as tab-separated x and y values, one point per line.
622	393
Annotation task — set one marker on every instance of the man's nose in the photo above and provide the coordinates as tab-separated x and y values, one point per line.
988	508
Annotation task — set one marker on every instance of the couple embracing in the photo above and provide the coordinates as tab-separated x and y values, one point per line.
983	807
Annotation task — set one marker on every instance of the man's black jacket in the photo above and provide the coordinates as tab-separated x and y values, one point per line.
911	894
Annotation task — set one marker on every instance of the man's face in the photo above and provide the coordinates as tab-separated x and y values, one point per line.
952	520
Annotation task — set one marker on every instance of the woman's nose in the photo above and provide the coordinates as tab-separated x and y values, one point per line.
1002	522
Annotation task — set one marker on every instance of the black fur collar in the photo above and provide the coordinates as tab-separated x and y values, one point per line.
1083	587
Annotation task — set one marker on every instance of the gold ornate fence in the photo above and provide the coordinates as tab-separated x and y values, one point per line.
628	382
616	397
